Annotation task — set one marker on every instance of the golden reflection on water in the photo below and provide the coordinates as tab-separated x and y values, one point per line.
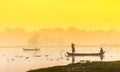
17	60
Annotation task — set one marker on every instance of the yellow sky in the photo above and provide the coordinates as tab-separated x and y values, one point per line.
39	14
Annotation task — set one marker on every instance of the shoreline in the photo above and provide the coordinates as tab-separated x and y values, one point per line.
95	66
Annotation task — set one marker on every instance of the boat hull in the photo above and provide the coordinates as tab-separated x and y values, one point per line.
85	54
36	49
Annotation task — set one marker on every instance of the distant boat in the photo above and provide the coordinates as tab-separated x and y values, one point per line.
85	54
35	49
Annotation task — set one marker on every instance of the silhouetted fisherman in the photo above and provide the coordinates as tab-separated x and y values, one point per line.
102	54
73	47
101	51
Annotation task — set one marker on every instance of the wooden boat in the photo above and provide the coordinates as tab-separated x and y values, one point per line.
85	54
35	49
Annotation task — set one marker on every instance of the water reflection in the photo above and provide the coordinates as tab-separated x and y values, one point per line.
101	57
73	57
17	60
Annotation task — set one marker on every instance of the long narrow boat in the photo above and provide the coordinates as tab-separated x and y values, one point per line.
35	49
84	54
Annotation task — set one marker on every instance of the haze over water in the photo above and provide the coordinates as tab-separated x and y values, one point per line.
56	22
17	60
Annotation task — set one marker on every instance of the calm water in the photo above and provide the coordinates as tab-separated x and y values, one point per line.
17	60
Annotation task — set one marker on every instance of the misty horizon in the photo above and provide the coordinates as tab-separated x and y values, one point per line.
58	36
71	27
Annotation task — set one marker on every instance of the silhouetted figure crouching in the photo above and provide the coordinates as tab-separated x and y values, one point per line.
101	51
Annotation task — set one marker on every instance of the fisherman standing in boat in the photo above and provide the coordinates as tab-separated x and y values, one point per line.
73	47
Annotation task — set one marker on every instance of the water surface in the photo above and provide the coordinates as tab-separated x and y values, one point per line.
14	59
